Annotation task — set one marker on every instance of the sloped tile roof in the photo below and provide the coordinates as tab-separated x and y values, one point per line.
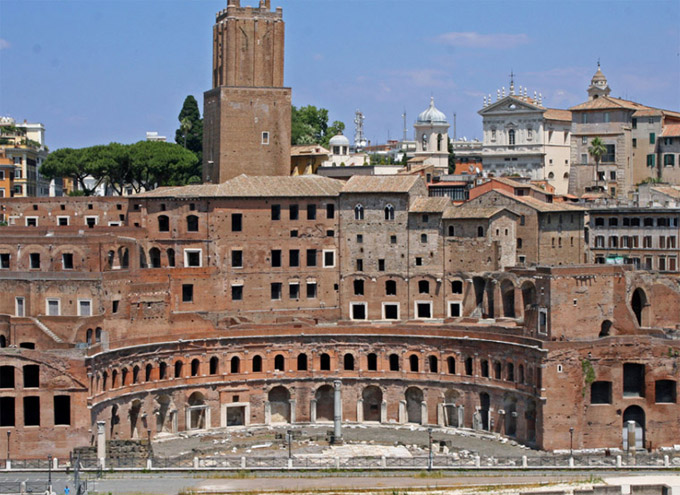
466	210
380	183
537	204
430	205
604	102
244	186
557	114
671	130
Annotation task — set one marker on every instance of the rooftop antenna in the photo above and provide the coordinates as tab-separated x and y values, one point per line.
454	126
512	82
359	140
403	116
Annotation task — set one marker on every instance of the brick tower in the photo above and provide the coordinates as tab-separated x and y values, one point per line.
247	113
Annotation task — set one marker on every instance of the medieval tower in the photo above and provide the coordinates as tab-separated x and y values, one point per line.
247	112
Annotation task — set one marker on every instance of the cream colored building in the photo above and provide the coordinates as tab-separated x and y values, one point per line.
522	138
432	138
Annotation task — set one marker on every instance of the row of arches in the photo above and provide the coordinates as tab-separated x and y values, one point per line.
191	223
497	369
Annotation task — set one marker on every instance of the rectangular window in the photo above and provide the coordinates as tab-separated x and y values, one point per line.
584	118
4	261
360	265
294	257
634	123
237	258
668	160
610	155
114	306
34	260
311	290
651	160
672	264
358	311
652	138
601	393
419	261
62	221
423	309
276	258
20	306
84	307
311	212
330	210
293	233
584	140
330	233
381	265
31	411
53	307
62	410
393	239
91	221
276	291
662	263
634	143
390	311
237	292
311	257
67	261
633	380
293	212
236	222
328	259
265	137
606	117
276	212
584	158
6	411
193	258
454	309
187	293
358	287
294	290
360	238
647	241
31	221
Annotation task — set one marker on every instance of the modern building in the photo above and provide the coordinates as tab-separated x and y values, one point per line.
247	112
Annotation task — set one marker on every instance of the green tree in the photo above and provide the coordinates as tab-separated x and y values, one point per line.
596	150
309	125
154	164
452	159
74	164
190	131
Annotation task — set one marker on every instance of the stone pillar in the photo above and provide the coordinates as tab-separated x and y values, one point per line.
461	415
292	404
440	415
477	420
337	415
101	443
312	411
383	412
402	412
360	410
208	423
631	435
424	419
267	413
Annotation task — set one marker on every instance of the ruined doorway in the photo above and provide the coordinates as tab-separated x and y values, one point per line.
510	407
135	410
197	411
279	405
508	293
414	400
325	403
637	415
236	415
372	402
484	407
640	307
163	423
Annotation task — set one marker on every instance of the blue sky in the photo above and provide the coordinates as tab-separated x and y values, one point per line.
97	71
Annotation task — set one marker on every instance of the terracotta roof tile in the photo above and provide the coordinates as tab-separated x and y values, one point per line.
557	114
466	210
380	183
671	191
671	130
430	205
308	149
604	102
244	186
537	204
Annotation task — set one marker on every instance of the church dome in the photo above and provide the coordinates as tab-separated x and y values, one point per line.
432	115
339	140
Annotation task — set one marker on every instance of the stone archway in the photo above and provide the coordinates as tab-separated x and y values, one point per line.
372	398
135	410
640	306
636	415
279	404
197	412
414	401
164	414
325	403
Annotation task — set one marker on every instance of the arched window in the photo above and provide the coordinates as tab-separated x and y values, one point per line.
178	369
155	257
195	367
105	377
480	231
279	363
214	365
372	361
110	257
114	375
171	257
439	142
3	341
358	212
485	368
510	372
349	362
511	137
389	212
456	287
452	231
394	362
324	362
413	362
468	366
423	287
497	370
98	335
451	365
163	371
566	175
135	374
123	377
147	372
390	287
88	336
163	223
433	362
257	364
236	364
302	362
551	175
192	223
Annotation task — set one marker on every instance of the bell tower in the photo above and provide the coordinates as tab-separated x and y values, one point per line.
247	112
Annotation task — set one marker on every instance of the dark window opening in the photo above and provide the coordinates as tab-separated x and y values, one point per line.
236	292
6	411
358	287
235	365
468	366
456	287
67	261
348	362
394	362
391	311
358	311
237	258
372	362
665	391
391	288
311	257
178	369
276	212
147	372
485	368
62	410
497	369
601	393
330	210
187	293
325	362
31	411
279	363
6	376
293	212
35	260
236	222
413	362
276	290
424	310
633	380
433	362
311	212
257	364
27	345
451	365
302	362
214	365
276	258
423	287
31	376
163	223
195	367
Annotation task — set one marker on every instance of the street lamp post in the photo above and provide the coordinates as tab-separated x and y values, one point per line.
429	459
8	434
571	442
49	472
289	435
